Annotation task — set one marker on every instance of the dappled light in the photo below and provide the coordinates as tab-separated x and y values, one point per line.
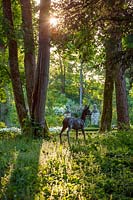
45	169
20	167
5	176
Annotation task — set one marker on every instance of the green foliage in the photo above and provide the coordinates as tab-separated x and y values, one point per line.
128	41
99	168
130	98
8	113
131	92
7	133
2	125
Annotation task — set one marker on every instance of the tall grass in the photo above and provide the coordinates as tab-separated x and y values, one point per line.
98	169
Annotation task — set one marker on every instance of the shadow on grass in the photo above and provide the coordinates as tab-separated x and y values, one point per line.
99	168
109	164
19	167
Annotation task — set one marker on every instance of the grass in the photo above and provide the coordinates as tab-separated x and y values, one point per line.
98	169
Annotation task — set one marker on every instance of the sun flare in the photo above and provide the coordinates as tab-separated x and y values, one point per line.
38	1
53	21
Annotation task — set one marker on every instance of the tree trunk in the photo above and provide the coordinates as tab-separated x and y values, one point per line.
62	69
121	100
121	96
108	89
115	73
29	60
81	87
107	103
42	72
13	63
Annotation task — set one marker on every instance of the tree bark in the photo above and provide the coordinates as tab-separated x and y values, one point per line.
120	87
62	70
108	90
107	102
115	74
115	34
121	100
42	72
13	63
81	86
29	48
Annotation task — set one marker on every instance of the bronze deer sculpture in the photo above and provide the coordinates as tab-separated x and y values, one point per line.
75	123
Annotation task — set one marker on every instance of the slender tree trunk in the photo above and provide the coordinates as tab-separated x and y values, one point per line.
13	63
29	47
81	87
120	87
108	90
42	72
62	69
121	100
107	103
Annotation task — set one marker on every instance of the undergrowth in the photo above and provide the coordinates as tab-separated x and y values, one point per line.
98	169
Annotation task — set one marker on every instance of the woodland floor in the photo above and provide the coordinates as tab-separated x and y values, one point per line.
36	169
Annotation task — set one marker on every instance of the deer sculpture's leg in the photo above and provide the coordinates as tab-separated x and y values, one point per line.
62	130
83	133
68	136
76	134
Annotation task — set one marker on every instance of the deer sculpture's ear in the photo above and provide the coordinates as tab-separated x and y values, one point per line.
86	107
